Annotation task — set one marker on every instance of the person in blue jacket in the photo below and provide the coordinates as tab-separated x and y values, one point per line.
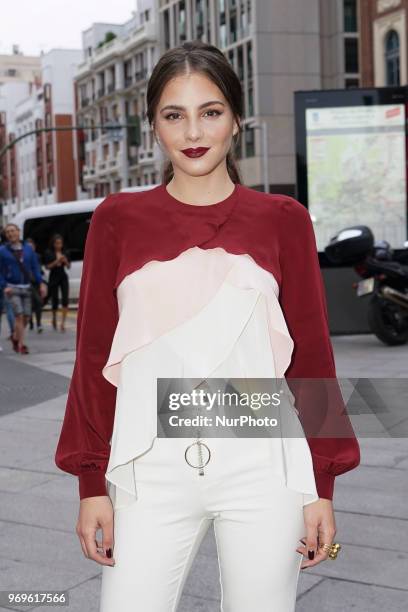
18	270
5	305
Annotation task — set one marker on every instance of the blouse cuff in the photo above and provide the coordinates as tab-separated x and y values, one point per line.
324	484
92	484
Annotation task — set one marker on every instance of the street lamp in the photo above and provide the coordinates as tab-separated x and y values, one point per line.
263	126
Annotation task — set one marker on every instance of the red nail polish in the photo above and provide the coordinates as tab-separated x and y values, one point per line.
109	553
310	554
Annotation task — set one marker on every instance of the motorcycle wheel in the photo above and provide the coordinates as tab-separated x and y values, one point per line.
386	320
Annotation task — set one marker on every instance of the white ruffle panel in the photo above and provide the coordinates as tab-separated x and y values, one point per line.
204	314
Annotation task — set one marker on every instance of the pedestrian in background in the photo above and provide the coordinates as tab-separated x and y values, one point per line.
37	301
5	305
18	269
56	259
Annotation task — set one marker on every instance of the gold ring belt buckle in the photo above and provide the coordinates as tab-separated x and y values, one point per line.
202	464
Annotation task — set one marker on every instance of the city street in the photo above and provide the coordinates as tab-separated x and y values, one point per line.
38	512
178	158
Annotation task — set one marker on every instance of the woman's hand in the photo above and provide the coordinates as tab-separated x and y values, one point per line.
43	290
320	529
94	513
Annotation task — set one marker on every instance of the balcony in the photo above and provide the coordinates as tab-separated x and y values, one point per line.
128	81
90	145
145	158
88	171
101	92
84	102
140	75
111	87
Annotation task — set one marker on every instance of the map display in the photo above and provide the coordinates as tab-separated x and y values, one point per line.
356	170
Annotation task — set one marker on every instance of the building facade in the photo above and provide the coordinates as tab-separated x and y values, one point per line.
10	95
18	67
110	87
40	168
276	48
384	36
340	44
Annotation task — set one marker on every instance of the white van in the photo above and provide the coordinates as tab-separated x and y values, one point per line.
71	220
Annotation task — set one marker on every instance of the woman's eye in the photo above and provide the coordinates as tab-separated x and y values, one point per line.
209	111
171	115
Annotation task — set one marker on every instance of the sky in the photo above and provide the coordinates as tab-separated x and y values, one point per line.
36	25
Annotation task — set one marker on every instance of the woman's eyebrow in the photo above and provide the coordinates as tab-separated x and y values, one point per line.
178	107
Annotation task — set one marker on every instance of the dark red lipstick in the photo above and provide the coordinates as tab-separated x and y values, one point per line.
198	152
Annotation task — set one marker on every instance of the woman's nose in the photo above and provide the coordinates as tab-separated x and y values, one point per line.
193	131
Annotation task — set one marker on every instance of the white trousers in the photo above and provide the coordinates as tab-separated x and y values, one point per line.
258	522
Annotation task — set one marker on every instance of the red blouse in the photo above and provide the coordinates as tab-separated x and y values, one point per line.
128	230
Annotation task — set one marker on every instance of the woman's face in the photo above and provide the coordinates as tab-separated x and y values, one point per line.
58	244
178	128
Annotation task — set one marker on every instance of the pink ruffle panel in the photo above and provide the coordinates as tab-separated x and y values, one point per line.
162	295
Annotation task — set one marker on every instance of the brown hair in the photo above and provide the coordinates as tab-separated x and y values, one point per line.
197	56
52	240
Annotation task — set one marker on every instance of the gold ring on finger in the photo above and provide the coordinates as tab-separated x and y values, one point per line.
331	549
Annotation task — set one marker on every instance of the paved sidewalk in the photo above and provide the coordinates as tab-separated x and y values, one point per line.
39	504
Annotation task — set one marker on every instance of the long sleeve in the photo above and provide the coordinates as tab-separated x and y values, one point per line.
84	444
303	301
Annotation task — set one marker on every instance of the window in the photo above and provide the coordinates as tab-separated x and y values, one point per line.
198	13
392	58
73	227
166	29
233	25
222	27
350	15
351	54
249	142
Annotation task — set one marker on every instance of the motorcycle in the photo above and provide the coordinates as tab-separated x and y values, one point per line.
384	278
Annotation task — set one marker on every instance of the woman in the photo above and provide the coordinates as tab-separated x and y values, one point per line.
184	281
56	259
